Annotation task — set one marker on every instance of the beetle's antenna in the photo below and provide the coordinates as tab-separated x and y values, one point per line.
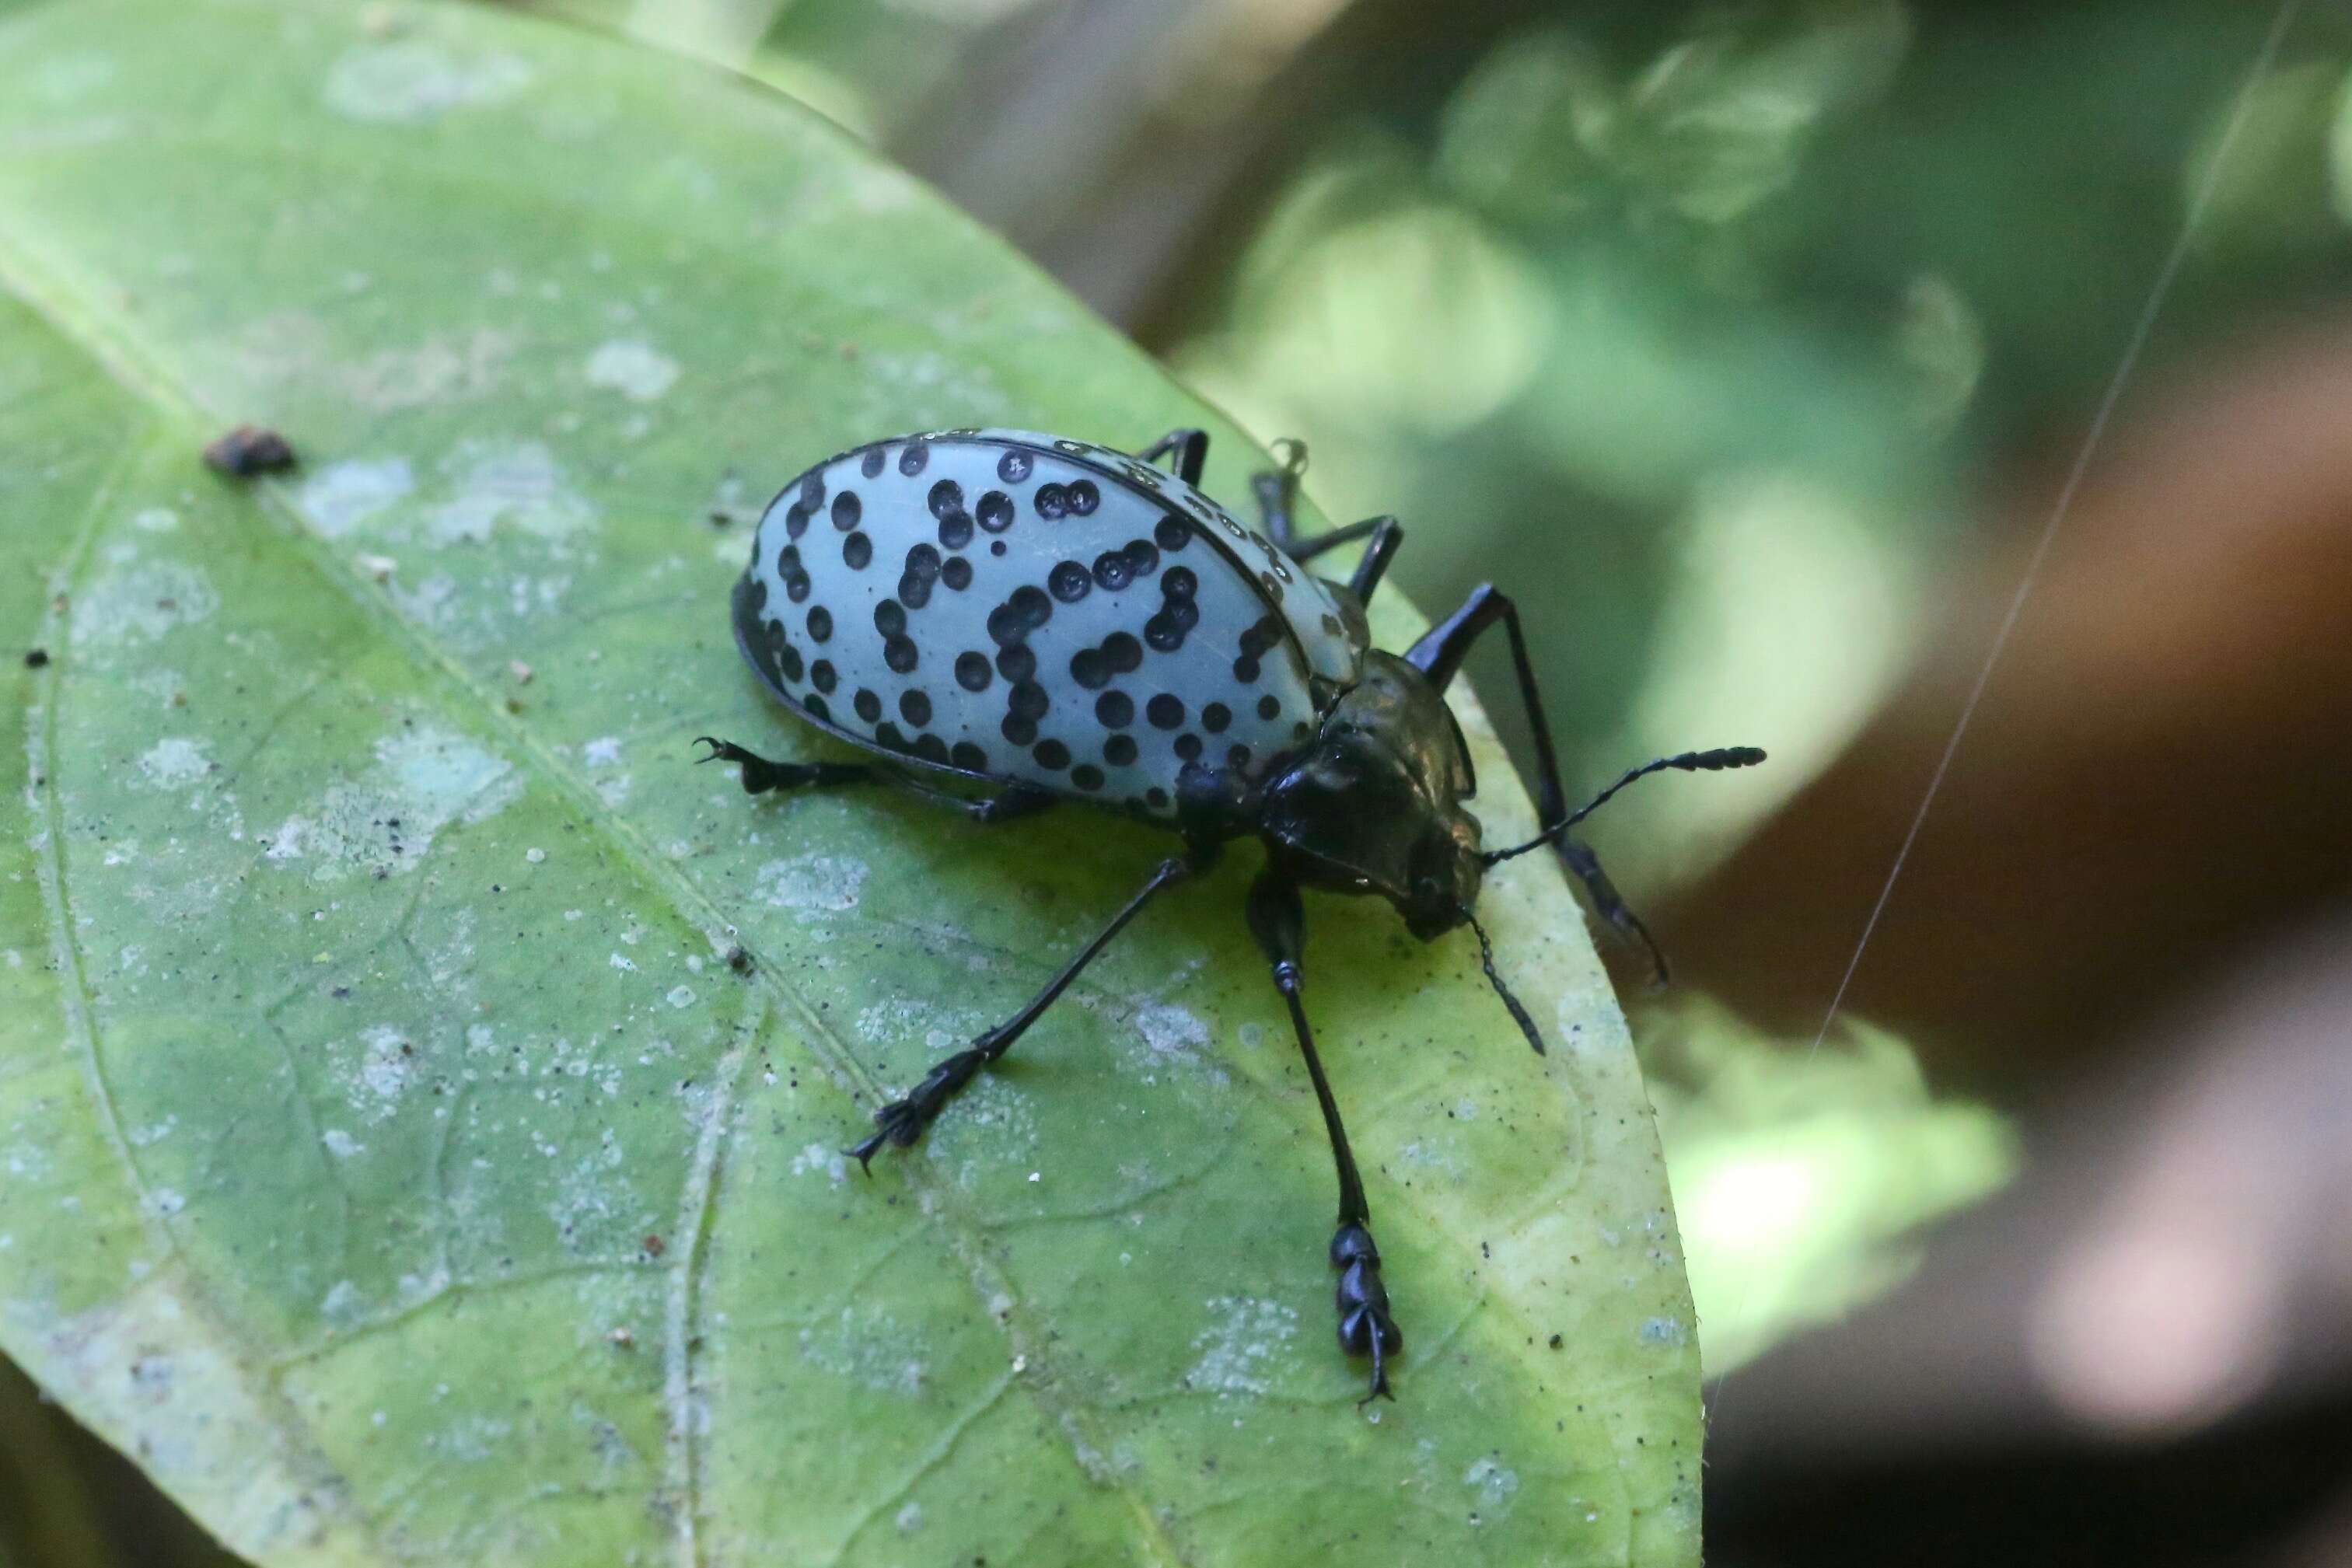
1687	762
1486	962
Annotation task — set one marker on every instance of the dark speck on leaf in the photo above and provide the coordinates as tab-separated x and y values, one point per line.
36	657
249	450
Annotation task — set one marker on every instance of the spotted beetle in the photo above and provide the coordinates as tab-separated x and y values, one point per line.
1060	620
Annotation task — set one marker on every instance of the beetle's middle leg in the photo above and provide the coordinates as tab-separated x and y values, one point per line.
1279	924
901	1121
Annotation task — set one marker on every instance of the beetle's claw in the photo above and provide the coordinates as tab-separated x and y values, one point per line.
1365	1326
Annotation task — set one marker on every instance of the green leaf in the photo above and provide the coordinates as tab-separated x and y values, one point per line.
393	1162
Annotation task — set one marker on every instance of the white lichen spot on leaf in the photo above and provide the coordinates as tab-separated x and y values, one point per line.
1238	1352
632	367
413	81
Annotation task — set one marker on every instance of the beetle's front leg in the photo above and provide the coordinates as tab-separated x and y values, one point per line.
1366	1328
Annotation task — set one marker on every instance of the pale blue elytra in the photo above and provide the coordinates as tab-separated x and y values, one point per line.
1008	621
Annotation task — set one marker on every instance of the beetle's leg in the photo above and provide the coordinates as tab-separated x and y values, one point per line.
1008	805
1189	447
1439	656
1279	924
1277	491
901	1121
1386	533
762	775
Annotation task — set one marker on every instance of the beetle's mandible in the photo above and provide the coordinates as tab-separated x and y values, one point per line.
1050	620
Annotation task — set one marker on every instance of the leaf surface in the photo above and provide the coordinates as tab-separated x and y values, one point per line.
390	1158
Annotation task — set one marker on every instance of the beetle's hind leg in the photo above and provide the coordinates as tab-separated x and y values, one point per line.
901	1121
1277	492
1189	448
1366	1327
762	774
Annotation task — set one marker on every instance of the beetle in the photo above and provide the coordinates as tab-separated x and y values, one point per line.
1055	620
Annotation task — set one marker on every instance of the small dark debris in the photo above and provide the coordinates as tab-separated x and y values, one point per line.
340	992
740	960
36	657
656	1247
1554	1342
249	451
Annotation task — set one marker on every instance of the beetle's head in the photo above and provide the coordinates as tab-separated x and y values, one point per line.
1373	804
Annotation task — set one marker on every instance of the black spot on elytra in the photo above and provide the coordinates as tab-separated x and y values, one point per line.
1113	571
1030	603
1053	502
889	618
1069	582
796	519
796	586
1119	750
887	733
817	708
1273	588
1238	755
901	654
1268	705
1051	755
914	707
969	756
1246	670
1179	583
1155	796
1188	747
1123	652
1016	662
956	573
1215	717
823	676
1084	497
972	671
1142	560
846	510
871	463
789	658
955	530
994	511
1115	710
1028	700
1014	467
946	499
1173	532
856	550
1165	711
930	748
1019	731
1087	775
820	624
812	490
996	547
1090	669
869	705
911	460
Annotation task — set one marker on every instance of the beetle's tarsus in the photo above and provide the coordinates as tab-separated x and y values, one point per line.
1365	1326
902	1122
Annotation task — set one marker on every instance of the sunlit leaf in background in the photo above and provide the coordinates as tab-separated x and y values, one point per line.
1796	1171
400	1168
